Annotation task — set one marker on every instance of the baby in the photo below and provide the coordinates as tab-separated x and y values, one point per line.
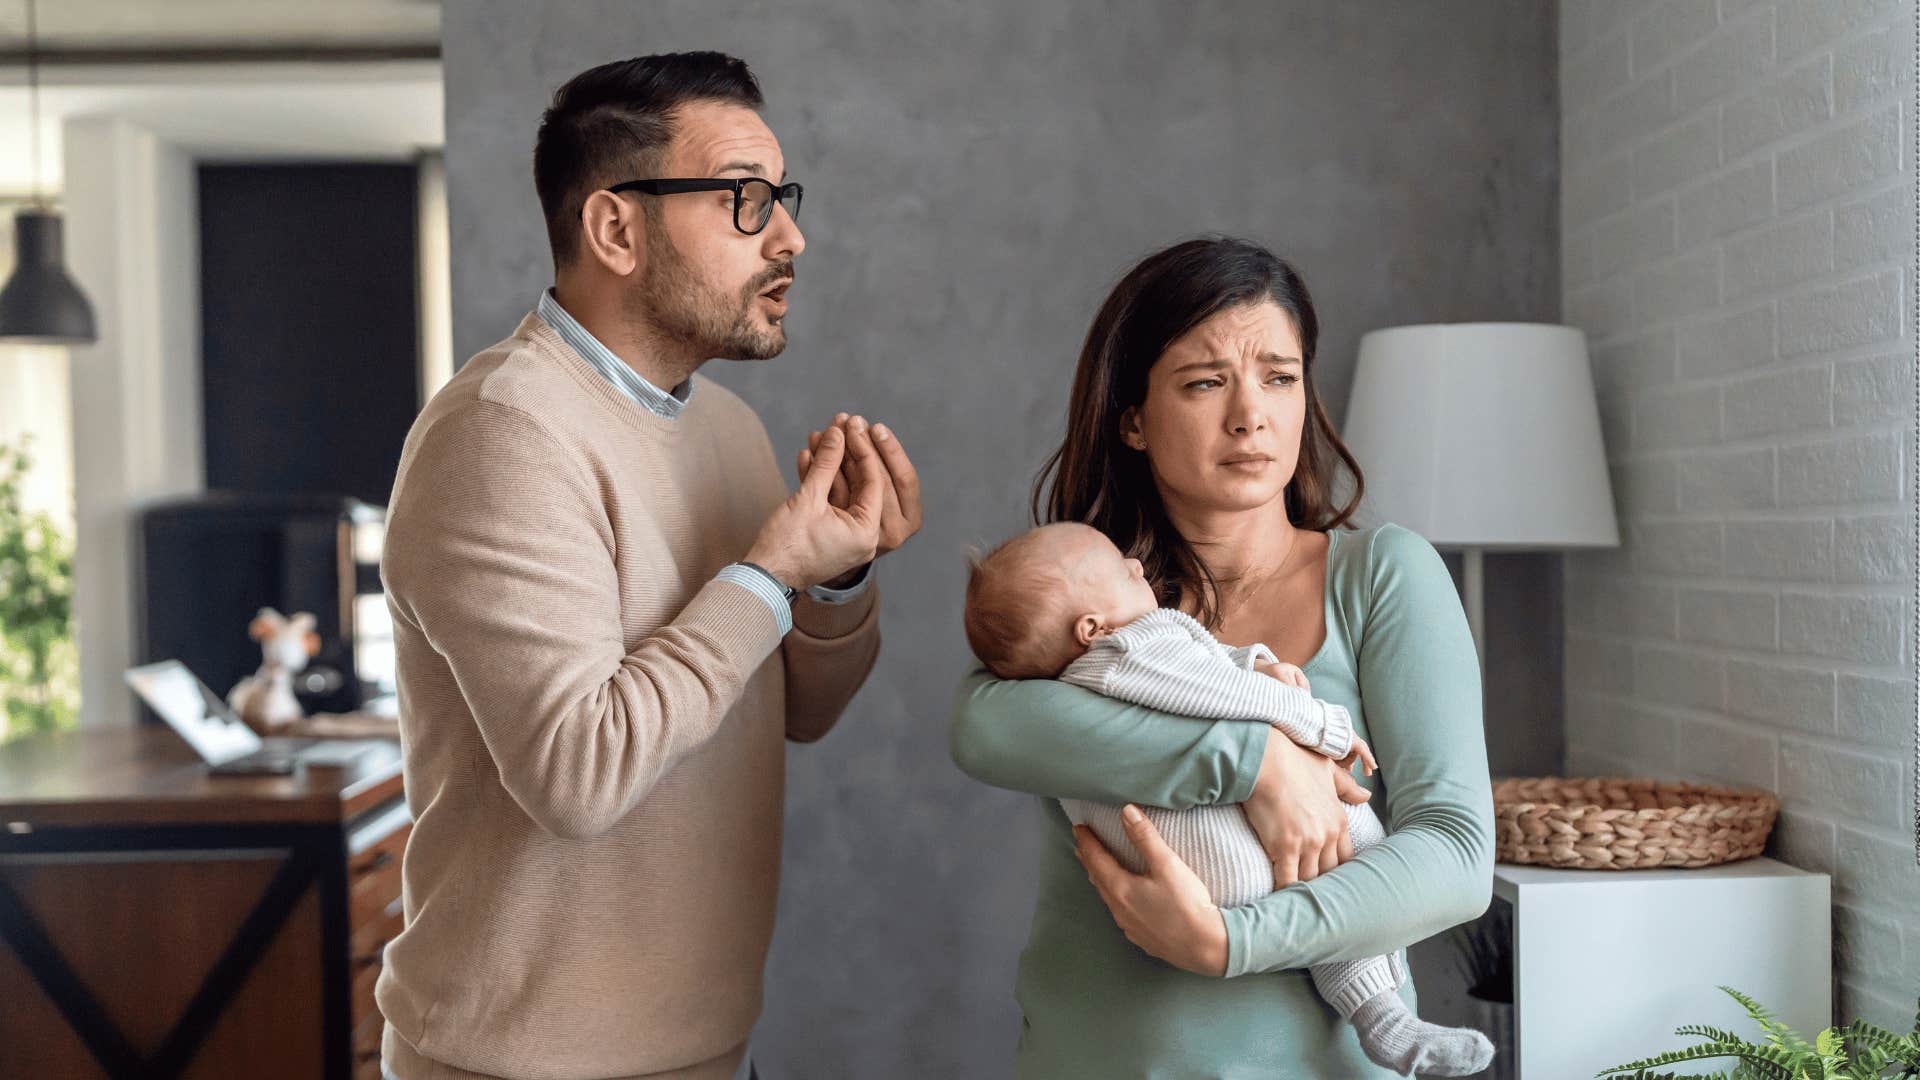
1062	602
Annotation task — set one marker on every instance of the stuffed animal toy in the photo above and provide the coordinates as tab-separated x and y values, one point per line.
264	700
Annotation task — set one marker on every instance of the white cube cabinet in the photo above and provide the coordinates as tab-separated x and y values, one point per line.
1608	962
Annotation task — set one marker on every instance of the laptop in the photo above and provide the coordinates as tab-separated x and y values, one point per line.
211	727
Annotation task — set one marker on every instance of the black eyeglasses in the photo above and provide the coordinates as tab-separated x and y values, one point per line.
753	198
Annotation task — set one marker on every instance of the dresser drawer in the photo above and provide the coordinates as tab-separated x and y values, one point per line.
370	894
366	1049
365	1011
369	957
373	864
374	918
368	939
383	848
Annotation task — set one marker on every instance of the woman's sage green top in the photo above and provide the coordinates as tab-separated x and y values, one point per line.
1399	656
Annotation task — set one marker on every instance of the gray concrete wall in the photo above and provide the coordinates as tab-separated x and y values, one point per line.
1738	230
978	176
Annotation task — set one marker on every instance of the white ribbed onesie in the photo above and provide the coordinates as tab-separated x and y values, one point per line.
1166	660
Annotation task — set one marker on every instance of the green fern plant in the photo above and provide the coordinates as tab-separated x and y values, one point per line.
1859	1051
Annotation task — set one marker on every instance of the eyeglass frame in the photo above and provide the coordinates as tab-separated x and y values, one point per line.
682	186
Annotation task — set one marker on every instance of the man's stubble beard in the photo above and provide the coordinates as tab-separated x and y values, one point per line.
678	305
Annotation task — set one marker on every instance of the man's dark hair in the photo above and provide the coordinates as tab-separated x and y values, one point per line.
615	122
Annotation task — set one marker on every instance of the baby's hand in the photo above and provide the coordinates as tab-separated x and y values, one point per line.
1286	673
1362	753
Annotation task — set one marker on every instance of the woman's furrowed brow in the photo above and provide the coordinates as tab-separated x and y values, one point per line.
1214	364
1217	363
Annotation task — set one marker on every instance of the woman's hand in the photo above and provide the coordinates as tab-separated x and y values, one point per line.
1296	810
1166	911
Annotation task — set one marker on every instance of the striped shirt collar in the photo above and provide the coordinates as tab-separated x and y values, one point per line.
602	359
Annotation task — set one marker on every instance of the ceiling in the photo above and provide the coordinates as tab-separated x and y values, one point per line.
168	25
227	79
239	112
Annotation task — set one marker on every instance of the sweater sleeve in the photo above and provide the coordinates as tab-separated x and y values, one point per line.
499	553
1419	683
1051	738
1245	657
834	642
1157	664
829	653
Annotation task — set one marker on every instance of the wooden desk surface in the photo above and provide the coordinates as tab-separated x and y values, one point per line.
146	775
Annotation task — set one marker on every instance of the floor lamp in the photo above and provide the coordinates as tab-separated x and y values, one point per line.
1482	436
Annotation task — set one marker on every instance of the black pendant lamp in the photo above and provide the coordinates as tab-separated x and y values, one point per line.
40	304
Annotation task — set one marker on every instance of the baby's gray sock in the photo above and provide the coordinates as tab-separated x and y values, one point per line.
1395	1038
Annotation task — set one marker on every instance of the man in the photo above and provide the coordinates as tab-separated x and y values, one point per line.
609	613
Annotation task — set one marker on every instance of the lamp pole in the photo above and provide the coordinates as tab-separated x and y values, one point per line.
1474	585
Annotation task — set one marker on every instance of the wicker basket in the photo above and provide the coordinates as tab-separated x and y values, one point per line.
1615	823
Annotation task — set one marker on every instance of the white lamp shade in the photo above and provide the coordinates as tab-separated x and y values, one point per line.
1482	435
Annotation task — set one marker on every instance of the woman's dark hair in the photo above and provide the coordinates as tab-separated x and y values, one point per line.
614	122
1099	480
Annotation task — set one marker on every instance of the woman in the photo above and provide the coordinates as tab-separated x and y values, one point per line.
1196	442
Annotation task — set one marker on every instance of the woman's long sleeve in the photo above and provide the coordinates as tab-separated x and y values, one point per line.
1050	738
1419	684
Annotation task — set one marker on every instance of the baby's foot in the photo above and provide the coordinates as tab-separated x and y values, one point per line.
1396	1039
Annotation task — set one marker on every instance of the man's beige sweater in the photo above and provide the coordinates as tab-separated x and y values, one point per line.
594	728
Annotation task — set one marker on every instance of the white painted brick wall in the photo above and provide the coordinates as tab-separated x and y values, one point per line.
1737	220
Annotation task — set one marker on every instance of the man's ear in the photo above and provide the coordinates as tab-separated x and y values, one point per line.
1086	628
1130	428
613	233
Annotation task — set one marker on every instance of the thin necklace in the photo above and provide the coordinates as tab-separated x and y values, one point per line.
1275	574
1288	557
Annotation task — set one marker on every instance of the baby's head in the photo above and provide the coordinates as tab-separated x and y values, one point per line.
1036	602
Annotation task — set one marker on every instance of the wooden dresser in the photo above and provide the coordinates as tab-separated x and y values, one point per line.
158	922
